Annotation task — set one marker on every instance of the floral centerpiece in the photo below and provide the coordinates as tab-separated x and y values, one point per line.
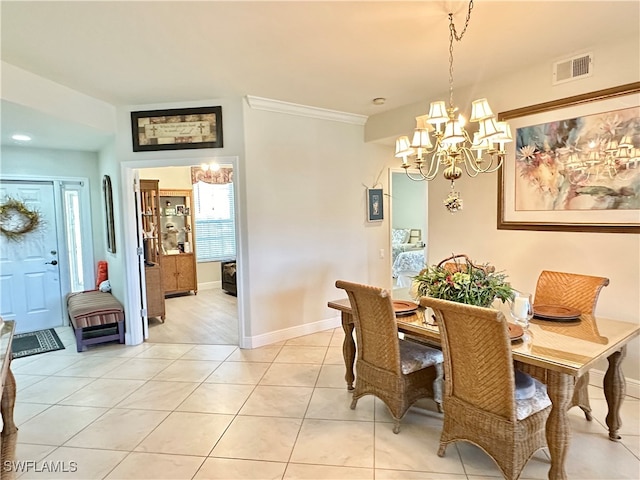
463	282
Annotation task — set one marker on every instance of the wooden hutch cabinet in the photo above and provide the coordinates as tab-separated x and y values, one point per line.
177	245
150	207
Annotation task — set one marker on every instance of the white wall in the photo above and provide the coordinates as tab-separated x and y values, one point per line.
117	271
306	214
45	162
524	254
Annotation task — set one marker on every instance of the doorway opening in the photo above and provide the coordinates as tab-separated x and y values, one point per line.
134	259
188	234
408	227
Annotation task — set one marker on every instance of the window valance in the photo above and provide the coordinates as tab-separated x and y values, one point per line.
221	176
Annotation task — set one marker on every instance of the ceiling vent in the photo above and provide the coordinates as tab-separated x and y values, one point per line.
573	68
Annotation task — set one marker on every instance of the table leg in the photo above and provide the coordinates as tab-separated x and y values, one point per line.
7	403
614	391
348	349
560	388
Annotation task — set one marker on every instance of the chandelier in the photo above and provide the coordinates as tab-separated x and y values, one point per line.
452	147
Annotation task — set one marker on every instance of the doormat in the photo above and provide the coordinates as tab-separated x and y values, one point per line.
33	343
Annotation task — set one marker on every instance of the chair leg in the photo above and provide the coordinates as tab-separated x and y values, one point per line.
442	449
354	402
438	386
581	396
396	426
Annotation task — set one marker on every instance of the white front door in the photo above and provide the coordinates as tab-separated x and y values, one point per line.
29	270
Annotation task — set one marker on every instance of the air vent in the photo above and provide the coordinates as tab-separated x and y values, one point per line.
573	68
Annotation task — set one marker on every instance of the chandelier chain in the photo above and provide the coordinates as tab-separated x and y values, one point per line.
453	33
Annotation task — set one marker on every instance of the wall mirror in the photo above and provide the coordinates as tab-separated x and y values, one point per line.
108	205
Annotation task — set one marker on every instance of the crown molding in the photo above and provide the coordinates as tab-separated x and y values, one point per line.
259	103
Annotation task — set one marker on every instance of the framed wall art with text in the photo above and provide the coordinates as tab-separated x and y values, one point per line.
177	129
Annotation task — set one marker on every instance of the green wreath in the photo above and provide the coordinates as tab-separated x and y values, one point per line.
16	219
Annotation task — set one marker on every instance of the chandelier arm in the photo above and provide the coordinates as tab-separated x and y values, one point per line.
496	158
434	166
497	167
418	179
469	162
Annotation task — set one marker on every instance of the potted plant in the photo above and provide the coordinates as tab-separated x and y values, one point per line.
463	282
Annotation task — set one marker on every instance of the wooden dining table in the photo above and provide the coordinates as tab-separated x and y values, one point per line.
557	353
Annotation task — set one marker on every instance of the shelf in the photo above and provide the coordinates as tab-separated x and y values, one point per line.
177	237
149	202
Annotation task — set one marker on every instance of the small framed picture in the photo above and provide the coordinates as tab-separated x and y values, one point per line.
179	209
187	211
374	205
169	211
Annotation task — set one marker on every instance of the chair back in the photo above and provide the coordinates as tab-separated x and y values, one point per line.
375	325
569	290
478	367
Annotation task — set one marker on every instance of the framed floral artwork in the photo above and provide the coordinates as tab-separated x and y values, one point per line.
574	164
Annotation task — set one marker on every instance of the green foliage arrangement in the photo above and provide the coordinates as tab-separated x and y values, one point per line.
464	283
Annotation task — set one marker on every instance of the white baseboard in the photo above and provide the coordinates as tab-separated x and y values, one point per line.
596	377
210	285
292	332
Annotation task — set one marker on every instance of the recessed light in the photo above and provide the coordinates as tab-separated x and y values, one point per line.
379	101
20	137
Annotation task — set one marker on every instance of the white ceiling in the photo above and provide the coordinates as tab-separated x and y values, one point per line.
335	54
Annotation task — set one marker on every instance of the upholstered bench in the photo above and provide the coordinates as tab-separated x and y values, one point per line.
96	316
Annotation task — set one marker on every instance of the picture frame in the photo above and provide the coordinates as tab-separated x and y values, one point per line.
544	191
375	205
187	211
177	129
179	209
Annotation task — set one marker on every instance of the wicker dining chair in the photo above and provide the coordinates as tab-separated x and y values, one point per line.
576	291
481	399
398	372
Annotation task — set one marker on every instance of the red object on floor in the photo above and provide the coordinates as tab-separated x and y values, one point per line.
103	272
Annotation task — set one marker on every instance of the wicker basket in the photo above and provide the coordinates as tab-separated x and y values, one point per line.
456	266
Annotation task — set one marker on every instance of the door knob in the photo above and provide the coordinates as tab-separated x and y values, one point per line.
52	262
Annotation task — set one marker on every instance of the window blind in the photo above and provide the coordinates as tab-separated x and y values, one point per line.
214	222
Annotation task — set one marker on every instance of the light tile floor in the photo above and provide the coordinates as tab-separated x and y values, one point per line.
186	411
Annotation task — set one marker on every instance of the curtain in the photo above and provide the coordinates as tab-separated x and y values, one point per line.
222	176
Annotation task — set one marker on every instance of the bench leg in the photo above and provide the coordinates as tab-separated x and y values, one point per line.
121	330
79	343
